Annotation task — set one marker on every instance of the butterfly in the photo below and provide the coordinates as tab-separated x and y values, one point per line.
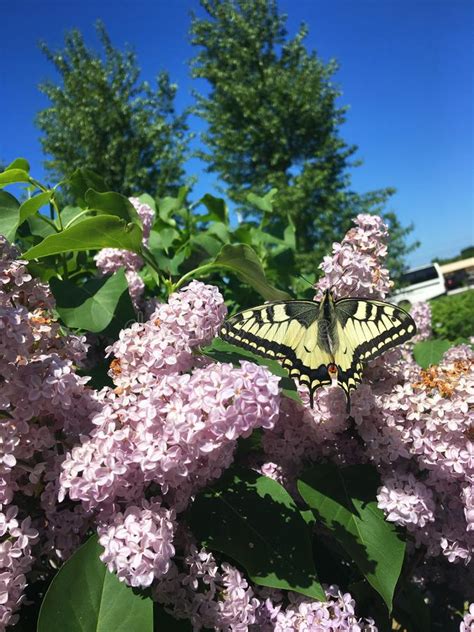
321	343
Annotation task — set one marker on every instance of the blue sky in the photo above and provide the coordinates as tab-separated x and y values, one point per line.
406	71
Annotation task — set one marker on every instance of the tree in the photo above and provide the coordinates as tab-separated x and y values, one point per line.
273	122
102	117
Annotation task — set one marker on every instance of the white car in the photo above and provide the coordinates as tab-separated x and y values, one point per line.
420	284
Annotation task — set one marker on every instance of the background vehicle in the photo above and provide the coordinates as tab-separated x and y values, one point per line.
420	284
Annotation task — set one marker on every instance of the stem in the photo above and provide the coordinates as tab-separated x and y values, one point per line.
87	210
197	271
48	221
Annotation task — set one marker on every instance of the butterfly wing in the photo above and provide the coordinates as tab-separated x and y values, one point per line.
286	331
366	329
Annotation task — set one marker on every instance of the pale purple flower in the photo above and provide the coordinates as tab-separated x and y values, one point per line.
138	543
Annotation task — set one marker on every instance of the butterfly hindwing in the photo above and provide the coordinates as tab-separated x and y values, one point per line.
366	329
286	331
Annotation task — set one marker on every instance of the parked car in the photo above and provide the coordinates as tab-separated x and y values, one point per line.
420	284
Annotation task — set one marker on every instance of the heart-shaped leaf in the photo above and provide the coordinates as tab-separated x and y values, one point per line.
252	519
242	261
103	231
429	352
9	215
95	306
33	204
111	203
85	597
344	500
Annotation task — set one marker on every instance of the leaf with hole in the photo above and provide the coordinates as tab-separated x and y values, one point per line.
344	501
252	519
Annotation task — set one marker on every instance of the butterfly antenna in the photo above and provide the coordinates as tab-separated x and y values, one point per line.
305	279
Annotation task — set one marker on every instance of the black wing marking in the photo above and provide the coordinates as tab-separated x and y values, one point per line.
286	331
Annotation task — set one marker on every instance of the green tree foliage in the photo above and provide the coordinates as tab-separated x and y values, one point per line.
273	122
101	116
452	316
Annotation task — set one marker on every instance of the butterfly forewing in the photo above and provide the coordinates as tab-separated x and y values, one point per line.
366	328
311	340
285	331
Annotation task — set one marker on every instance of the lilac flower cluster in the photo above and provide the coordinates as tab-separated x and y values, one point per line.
172	423
109	260
421	313
44	407
355	267
165	342
219	597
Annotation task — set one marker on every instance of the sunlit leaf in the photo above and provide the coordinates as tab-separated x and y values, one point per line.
103	231
85	597
344	500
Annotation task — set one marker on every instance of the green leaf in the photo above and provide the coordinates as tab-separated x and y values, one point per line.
242	261
428	352
33	204
220	230
85	597
112	203
253	520
40	227
13	175
147	199
19	163
167	206
344	500
264	203
9	215
103	231
95	305
217	209
208	243
222	351
162	239
83	179
70	213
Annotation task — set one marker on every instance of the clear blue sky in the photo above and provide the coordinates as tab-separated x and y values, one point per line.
406	71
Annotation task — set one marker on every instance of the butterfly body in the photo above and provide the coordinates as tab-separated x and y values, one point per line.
321	343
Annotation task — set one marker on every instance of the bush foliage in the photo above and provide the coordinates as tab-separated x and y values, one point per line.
185	480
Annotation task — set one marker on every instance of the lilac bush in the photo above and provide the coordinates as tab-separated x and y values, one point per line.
128	461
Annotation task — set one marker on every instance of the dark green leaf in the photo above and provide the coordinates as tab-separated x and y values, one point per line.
211	245
85	597
19	163
33	204
103	231
428	352
13	175
112	203
220	230
253	520
217	209
9	215
40	227
164	622
242	261
411	609
344	500
83	179
70	213
95	305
